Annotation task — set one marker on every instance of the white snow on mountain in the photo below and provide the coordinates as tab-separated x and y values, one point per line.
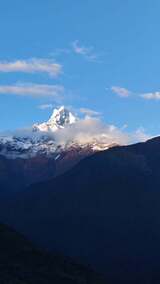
62	131
59	119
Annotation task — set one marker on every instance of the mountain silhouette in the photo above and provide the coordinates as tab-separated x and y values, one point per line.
104	212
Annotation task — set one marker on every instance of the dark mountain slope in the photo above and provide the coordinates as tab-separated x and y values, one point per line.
40	168
20	263
105	212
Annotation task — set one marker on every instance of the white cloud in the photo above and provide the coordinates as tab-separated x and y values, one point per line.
33	65
121	92
33	90
140	135
86	52
125	93
89	130
151	96
89	112
92	129
45	106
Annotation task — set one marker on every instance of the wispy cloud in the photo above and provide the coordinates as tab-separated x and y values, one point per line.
140	135
89	112
151	96
33	90
87	52
45	106
121	92
33	65
125	93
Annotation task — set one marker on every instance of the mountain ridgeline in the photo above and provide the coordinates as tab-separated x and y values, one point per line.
104	212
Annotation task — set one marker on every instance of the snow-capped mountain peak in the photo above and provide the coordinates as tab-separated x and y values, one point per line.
62	132
60	118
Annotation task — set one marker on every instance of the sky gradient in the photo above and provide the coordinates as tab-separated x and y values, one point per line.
100	55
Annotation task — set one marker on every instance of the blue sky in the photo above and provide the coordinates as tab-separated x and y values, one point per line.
100	55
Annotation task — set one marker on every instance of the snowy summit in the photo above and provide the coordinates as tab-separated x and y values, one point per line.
59	119
41	138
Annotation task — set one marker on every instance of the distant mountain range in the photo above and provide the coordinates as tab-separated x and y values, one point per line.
38	154
41	139
104	212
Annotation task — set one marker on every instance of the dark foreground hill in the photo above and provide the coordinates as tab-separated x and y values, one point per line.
21	263
105	212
